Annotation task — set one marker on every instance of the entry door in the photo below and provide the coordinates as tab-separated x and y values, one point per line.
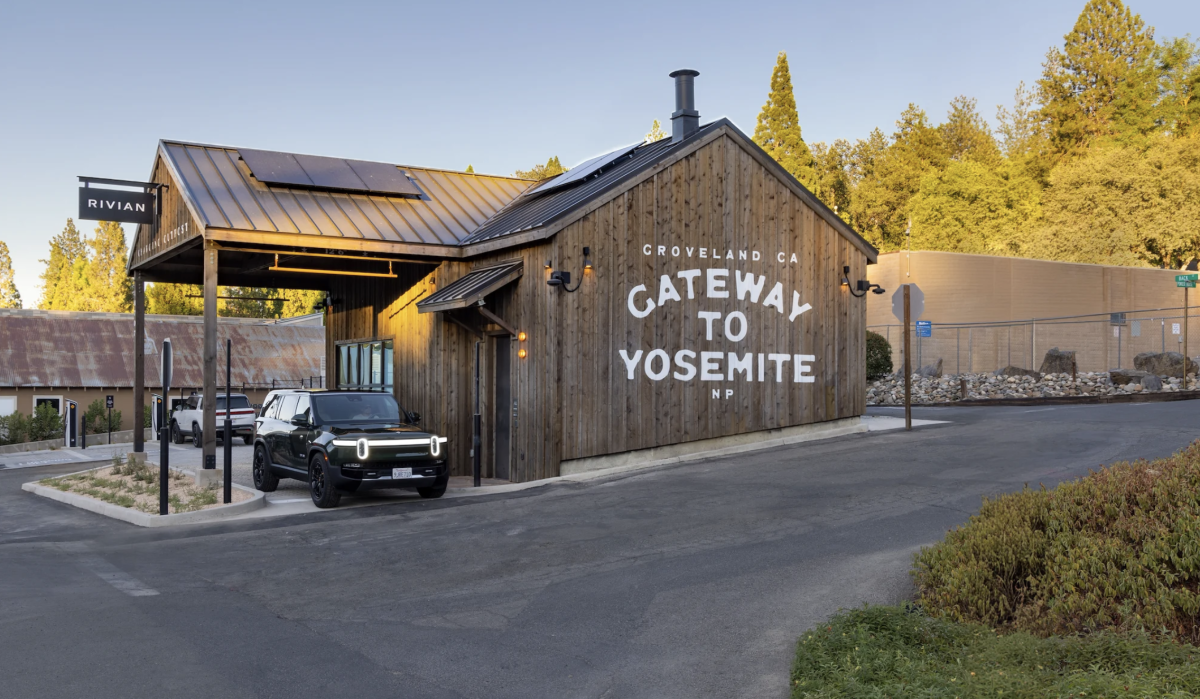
502	408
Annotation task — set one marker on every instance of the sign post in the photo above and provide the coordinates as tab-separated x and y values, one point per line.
108	403
908	303
164	441
1185	282
228	424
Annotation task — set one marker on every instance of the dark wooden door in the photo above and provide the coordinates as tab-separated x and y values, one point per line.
502	408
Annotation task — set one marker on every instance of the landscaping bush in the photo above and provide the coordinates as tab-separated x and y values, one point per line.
45	423
879	356
1118	549
13	428
97	418
900	652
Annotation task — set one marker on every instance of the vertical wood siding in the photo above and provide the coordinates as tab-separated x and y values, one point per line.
572	392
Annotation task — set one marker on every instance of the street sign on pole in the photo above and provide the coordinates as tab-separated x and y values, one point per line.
924	328
916	302
1186	281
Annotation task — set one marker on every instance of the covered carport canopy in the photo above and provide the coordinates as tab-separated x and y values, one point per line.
245	217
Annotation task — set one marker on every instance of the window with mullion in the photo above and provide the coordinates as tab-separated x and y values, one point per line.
365	366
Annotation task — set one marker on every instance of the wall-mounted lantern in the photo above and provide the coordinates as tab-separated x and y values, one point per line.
563	279
862	285
521	337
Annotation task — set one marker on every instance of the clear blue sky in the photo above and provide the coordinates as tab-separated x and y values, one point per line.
89	88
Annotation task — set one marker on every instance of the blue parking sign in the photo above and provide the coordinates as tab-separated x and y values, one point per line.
924	328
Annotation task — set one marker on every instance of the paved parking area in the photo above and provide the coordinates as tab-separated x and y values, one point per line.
686	581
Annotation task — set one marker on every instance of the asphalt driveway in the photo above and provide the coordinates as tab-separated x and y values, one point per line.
689	581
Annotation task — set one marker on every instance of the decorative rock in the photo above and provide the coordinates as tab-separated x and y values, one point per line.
931	371
1162	363
1057	362
1018	371
949	389
1122	377
1152	383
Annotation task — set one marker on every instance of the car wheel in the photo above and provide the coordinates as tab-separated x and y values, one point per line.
320	486
264	480
176	434
197	436
433	491
248	440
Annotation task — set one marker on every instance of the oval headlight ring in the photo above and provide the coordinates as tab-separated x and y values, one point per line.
363	448
435	447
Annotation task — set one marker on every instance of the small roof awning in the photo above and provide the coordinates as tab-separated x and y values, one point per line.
472	287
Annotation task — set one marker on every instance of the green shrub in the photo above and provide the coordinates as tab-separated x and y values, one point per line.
879	356
97	418
1118	549
146	416
45	423
13	428
900	652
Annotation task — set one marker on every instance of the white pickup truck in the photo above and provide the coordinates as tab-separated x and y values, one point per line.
188	419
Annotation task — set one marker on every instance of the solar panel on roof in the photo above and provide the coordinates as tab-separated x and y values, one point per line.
384	179
585	169
273	167
335	174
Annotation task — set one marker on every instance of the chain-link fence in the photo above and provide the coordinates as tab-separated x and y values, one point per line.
1101	341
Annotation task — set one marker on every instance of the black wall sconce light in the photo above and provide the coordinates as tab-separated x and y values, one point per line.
862	285
562	280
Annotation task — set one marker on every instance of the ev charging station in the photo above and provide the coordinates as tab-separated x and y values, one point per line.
70	423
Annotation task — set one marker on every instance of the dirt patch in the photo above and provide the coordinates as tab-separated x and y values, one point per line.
135	485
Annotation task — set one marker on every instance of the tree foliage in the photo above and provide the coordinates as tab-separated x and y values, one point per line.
184	299
656	133
1096	162
87	275
778	127
552	168
9	296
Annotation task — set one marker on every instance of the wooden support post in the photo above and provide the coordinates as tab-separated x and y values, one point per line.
139	361
209	419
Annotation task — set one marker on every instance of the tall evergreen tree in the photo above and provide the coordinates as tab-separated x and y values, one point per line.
108	286
1102	84
174	299
834	185
778	127
1179	101
9	296
65	249
966	135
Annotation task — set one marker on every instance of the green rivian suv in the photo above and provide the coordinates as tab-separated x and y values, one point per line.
345	442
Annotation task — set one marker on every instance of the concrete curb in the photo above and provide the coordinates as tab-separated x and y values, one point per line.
122	437
142	519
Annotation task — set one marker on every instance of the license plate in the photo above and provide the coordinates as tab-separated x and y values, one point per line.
402	473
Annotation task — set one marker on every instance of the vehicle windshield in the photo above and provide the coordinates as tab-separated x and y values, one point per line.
235	403
356	407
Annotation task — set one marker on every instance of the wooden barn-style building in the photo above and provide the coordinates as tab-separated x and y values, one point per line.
665	298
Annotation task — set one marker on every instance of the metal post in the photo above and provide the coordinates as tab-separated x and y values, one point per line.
139	353
970	350
958	351
110	426
477	437
1164	335
1118	327
164	441
208	418
228	423
907	365
1033	348
83	431
1185	350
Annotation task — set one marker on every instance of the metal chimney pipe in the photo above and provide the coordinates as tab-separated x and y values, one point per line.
685	120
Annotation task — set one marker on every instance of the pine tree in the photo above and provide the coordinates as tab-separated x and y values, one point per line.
109	288
834	184
65	249
656	132
552	168
174	299
966	135
299	302
1178	62
470	169
778	128
1102	84
9	296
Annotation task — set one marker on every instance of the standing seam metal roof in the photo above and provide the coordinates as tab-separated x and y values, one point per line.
227	195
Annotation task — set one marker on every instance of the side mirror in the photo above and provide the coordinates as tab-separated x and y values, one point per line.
415	418
300	420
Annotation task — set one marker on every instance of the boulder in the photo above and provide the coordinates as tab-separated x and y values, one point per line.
1151	383
1057	362
931	371
1162	363
1120	377
1018	371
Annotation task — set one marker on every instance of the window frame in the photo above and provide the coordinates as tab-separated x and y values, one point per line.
353	374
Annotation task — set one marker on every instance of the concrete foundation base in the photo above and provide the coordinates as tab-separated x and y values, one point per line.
708	448
210	477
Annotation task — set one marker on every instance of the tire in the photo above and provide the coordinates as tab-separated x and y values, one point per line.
433	491
264	480
324	495
197	436
248	440
176	435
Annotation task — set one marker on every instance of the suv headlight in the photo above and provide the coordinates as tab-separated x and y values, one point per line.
435	445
